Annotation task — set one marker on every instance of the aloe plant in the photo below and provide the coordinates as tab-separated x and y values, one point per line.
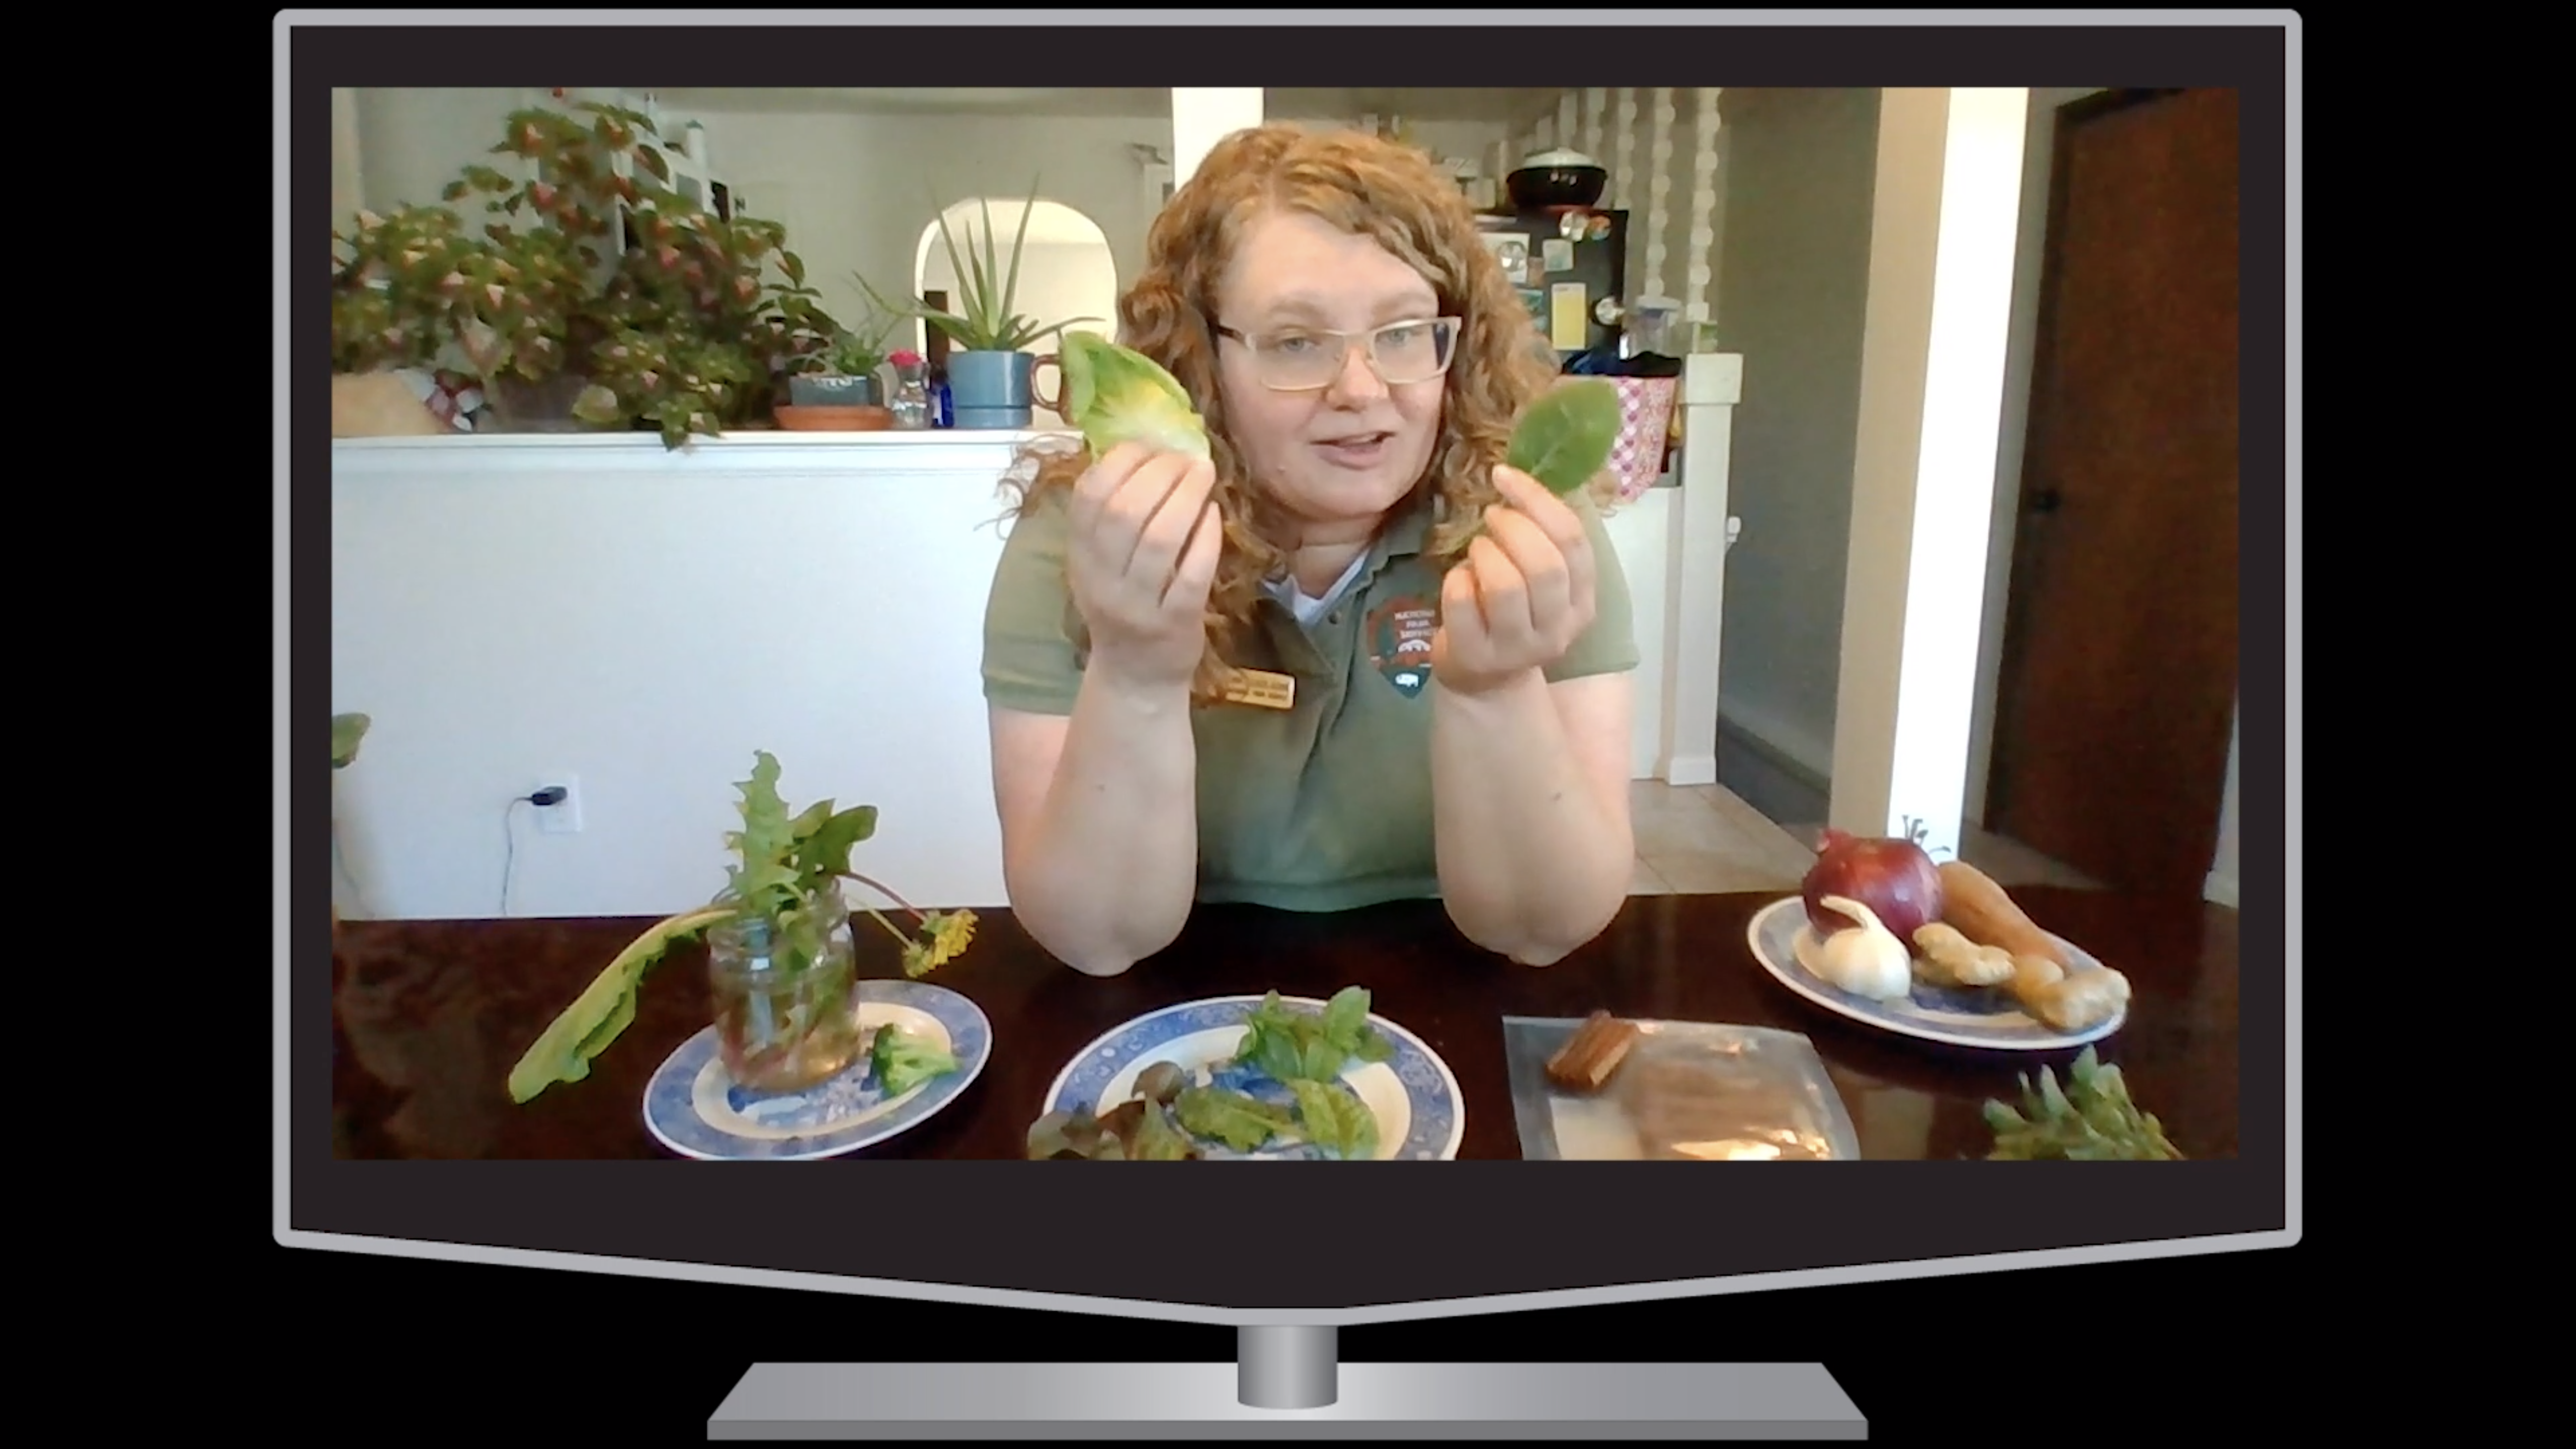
984	321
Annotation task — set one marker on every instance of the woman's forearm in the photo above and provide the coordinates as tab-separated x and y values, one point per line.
1107	877
1533	861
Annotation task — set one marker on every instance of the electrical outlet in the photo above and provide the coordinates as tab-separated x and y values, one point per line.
564	816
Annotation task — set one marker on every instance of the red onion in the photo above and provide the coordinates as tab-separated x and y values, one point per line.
1895	878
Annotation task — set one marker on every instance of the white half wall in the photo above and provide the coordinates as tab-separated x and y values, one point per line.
513	610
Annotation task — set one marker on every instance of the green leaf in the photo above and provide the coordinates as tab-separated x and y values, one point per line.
1277	1054
1019	243
794	266
1070	1135
1270	1044
966	276
1116	394
1241	1122
1319	1059
1564	439
1291	1046
1021	333
346	731
1332	1116
807	820
762	878
564	1050
2089	1120
2051	1096
823	847
1346	1016
988	268
1157	1140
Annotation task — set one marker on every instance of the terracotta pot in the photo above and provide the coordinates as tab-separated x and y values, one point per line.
835	420
380	405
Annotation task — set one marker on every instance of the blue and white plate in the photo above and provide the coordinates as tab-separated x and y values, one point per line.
1988	1018
694	1109
1421	1115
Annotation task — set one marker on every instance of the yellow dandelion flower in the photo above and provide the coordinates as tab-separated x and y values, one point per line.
950	934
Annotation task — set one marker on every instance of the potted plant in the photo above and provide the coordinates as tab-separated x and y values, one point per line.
845	373
594	295
781	961
989	372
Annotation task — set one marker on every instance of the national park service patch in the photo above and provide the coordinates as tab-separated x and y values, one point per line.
1399	641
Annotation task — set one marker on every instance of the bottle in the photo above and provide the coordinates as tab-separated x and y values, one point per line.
911	402
943	407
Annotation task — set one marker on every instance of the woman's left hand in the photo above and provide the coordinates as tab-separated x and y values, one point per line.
1520	598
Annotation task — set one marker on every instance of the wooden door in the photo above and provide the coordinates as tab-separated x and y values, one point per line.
2118	681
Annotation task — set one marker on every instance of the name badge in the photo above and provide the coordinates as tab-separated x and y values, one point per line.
1261	689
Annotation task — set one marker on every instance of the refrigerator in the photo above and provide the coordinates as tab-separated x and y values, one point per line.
1570	265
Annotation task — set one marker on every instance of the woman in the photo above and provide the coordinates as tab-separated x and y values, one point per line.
1299	676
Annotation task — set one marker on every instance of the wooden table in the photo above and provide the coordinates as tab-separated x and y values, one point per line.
430	1016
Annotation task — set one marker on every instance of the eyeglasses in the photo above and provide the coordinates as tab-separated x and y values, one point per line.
1303	359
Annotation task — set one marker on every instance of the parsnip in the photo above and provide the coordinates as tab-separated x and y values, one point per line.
1977	908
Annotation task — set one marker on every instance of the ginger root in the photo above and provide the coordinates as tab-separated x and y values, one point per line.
1951	959
2080	1000
2032	975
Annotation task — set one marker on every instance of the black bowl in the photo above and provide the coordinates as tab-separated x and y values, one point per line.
1533	187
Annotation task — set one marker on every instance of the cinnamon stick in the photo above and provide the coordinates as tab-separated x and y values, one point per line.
1593	1054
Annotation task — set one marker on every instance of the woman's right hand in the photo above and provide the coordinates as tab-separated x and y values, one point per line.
1142	550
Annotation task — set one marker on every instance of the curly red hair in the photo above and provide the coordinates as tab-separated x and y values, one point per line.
1365	186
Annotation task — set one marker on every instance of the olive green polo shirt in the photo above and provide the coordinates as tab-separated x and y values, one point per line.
1325	805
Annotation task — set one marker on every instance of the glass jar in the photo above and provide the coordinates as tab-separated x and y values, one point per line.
911	402
786	998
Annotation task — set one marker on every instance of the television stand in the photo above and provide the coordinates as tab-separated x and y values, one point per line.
1287	1383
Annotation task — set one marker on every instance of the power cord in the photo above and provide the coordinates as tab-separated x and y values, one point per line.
550	795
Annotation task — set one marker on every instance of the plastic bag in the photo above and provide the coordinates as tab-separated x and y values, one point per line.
1688	1091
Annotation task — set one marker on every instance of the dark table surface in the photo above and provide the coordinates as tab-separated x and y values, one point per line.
429	1017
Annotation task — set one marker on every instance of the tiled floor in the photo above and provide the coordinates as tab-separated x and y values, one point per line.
1702	839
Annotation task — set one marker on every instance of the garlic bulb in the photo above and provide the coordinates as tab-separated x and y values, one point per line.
1865	960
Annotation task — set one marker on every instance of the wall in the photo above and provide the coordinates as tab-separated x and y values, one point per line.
1792	286
509	609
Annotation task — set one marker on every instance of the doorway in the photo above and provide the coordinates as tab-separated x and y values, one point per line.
2117	683
1065	270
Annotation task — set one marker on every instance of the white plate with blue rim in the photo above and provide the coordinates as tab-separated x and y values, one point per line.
1986	1018
1421	1114
693	1107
